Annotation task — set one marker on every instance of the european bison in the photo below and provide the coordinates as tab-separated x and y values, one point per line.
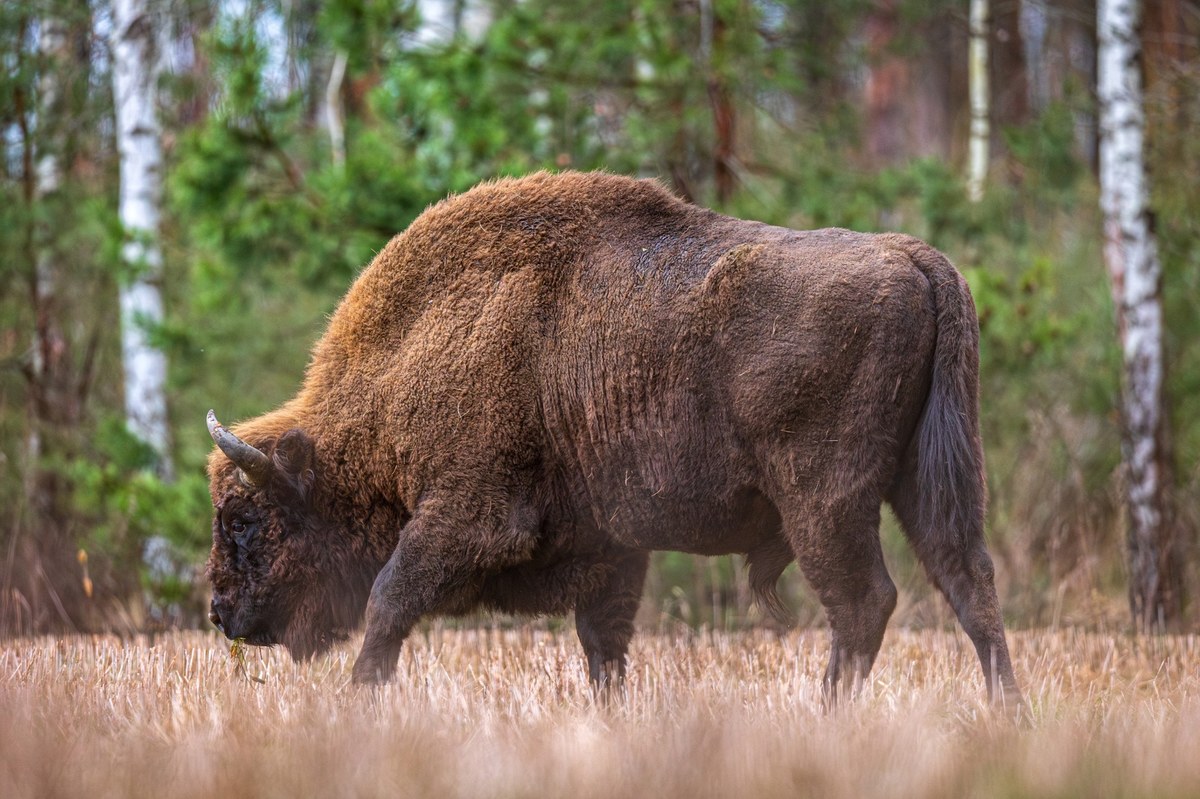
543	380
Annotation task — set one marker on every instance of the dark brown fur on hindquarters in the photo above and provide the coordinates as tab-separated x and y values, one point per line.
543	380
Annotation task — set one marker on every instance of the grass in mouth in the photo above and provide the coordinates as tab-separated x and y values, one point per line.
237	653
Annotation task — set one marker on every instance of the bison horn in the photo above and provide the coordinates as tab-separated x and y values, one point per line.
255	465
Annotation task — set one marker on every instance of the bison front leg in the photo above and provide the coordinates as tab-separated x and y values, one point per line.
604	621
428	570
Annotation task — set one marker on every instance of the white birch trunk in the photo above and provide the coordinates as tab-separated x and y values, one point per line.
439	22
1034	25
472	18
52	40
136	67
334	117
1132	260
977	74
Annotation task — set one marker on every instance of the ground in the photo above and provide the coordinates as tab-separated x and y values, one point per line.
508	713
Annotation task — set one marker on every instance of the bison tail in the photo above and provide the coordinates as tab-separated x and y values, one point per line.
948	498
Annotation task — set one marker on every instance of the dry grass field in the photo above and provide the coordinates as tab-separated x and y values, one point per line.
507	713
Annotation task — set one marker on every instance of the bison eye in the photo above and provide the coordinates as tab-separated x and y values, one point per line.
241	529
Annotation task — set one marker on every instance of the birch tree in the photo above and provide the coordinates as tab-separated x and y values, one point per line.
48	595
439	21
46	369
977	74
1131	256
334	115
136	67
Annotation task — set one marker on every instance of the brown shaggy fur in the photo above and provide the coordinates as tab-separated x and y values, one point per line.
543	380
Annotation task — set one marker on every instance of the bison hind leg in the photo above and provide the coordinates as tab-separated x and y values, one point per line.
837	547
958	563
766	563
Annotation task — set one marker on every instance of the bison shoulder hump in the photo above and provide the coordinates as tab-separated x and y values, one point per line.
732	269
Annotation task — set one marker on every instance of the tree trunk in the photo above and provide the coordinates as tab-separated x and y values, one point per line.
911	99
977	73
51	382
40	585
439	22
191	60
1079	42
1060	54
1155	595
1007	66
1172	47
136	68
1035	29
1170	39
712	34
887	81
334	115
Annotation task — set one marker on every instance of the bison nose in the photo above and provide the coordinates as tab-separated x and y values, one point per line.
215	617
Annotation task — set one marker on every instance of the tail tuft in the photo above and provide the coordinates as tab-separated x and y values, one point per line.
949	455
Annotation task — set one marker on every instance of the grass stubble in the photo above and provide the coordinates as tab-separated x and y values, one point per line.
497	712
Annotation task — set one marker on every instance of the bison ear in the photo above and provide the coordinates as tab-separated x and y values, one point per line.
295	458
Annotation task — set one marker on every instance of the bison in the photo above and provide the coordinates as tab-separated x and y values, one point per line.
543	380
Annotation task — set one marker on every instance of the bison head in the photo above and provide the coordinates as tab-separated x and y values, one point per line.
279	566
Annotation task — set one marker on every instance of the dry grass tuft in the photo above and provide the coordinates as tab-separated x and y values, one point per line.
508	713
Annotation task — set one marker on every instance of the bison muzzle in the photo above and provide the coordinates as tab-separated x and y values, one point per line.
543	380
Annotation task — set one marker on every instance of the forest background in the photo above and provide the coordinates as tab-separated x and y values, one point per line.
298	136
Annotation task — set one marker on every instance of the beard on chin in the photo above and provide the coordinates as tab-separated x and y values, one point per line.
306	641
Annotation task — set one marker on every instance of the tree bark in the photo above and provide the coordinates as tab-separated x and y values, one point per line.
978	79
41	590
1172	46
1007	67
51	381
334	116
1155	590
911	99
712	34
1060	53
439	22
887	81
136	68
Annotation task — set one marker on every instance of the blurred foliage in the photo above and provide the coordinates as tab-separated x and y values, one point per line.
263	233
